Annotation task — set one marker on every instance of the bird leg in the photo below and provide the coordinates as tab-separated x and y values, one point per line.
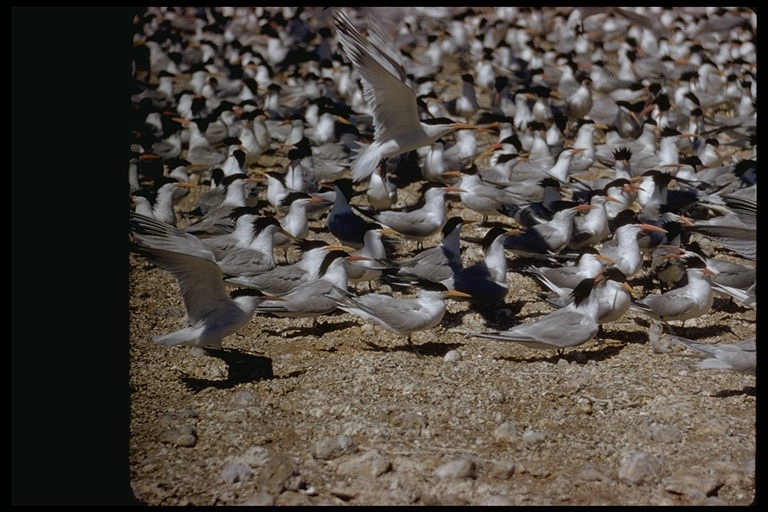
413	347
599	336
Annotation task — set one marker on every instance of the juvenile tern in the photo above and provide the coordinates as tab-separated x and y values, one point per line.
397	127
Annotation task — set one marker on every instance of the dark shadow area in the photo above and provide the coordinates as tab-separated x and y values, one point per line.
692	333
728	305
607	333
317	329
241	367
430	348
745	391
573	355
498	316
517	263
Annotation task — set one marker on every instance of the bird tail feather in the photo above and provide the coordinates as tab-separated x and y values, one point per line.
365	162
178	338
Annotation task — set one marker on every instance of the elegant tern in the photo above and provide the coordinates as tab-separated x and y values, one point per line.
683	303
548	238
436	263
212	314
400	315
614	295
420	221
573	325
397	126
738	357
485	281
373	255
311	300
588	263
284	278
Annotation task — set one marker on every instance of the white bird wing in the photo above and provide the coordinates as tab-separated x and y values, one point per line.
743	297
398	315
149	232
393	103
277	281
734	360
668	305
191	262
560	329
307	300
200	280
740	357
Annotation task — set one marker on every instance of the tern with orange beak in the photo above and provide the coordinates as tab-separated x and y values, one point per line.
397	126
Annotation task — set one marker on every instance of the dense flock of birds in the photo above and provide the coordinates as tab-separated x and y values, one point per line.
617	143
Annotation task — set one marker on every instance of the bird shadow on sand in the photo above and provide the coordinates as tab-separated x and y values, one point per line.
728	305
745	391
574	355
498	315
242	367
430	348
316	330
623	336
689	332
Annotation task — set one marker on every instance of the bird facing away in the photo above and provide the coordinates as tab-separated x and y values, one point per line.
624	248
374	253
485	281
217	220
284	278
397	127
212	314
259	255
344	223
588	263
614	295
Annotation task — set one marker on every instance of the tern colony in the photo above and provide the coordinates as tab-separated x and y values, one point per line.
254	108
